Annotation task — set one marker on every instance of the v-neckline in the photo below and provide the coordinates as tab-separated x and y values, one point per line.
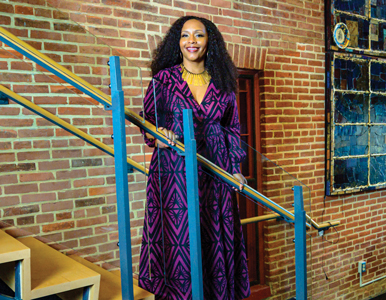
190	95
194	99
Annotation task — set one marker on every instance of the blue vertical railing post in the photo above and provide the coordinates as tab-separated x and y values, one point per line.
18	281
121	179
193	206
18	284
300	245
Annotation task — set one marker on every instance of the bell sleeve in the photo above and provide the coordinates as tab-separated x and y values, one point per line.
231	126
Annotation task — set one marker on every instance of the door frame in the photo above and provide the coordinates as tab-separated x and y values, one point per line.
260	291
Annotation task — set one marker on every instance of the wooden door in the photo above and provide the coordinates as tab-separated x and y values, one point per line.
249	113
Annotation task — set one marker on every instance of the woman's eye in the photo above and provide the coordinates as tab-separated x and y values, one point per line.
184	35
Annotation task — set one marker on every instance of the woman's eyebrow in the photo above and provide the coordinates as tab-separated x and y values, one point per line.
194	30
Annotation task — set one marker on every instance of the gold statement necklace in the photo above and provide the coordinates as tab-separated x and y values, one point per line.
195	79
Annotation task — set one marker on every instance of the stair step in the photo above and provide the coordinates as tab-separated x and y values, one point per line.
53	272
110	288
118	273
11	251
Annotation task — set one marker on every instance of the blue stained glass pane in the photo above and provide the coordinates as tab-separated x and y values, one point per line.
351	108
378	109
379	10
351	75
350	172
380	43
353	6
373	11
377	169
351	140
378	76
377	139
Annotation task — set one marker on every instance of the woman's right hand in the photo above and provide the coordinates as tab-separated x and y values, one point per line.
172	138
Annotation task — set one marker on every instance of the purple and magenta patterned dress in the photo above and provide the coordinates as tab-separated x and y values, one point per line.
165	258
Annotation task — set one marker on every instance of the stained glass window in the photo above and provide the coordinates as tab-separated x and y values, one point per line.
366	24
357	123
356	96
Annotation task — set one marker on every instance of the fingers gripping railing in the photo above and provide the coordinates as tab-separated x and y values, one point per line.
47	63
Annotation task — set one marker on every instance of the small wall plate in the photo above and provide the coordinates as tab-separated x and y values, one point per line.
341	35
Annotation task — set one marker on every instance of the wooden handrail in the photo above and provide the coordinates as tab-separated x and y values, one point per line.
67	126
274	216
49	64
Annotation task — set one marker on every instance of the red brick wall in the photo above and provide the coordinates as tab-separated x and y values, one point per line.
45	190
54	185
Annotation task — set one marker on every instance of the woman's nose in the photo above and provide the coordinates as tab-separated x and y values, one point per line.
192	39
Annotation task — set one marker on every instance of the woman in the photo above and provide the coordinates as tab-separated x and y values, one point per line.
192	69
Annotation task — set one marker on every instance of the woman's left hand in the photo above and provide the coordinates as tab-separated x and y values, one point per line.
240	178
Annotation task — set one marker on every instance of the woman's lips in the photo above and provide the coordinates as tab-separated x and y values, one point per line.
192	49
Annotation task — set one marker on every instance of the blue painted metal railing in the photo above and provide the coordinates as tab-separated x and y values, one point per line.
18	283
300	244
193	199
122	186
96	94
104	99
49	64
193	206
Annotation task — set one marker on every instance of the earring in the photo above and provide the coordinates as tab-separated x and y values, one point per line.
180	54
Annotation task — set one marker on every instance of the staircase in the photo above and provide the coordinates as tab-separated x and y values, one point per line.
34	270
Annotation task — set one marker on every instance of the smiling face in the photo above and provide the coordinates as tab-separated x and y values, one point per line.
193	42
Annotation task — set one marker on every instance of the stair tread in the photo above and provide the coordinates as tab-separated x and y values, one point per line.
118	273
110	288
11	249
53	272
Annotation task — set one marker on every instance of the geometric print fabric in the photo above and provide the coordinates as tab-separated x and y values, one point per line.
165	257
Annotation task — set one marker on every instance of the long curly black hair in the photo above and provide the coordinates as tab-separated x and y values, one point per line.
218	62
